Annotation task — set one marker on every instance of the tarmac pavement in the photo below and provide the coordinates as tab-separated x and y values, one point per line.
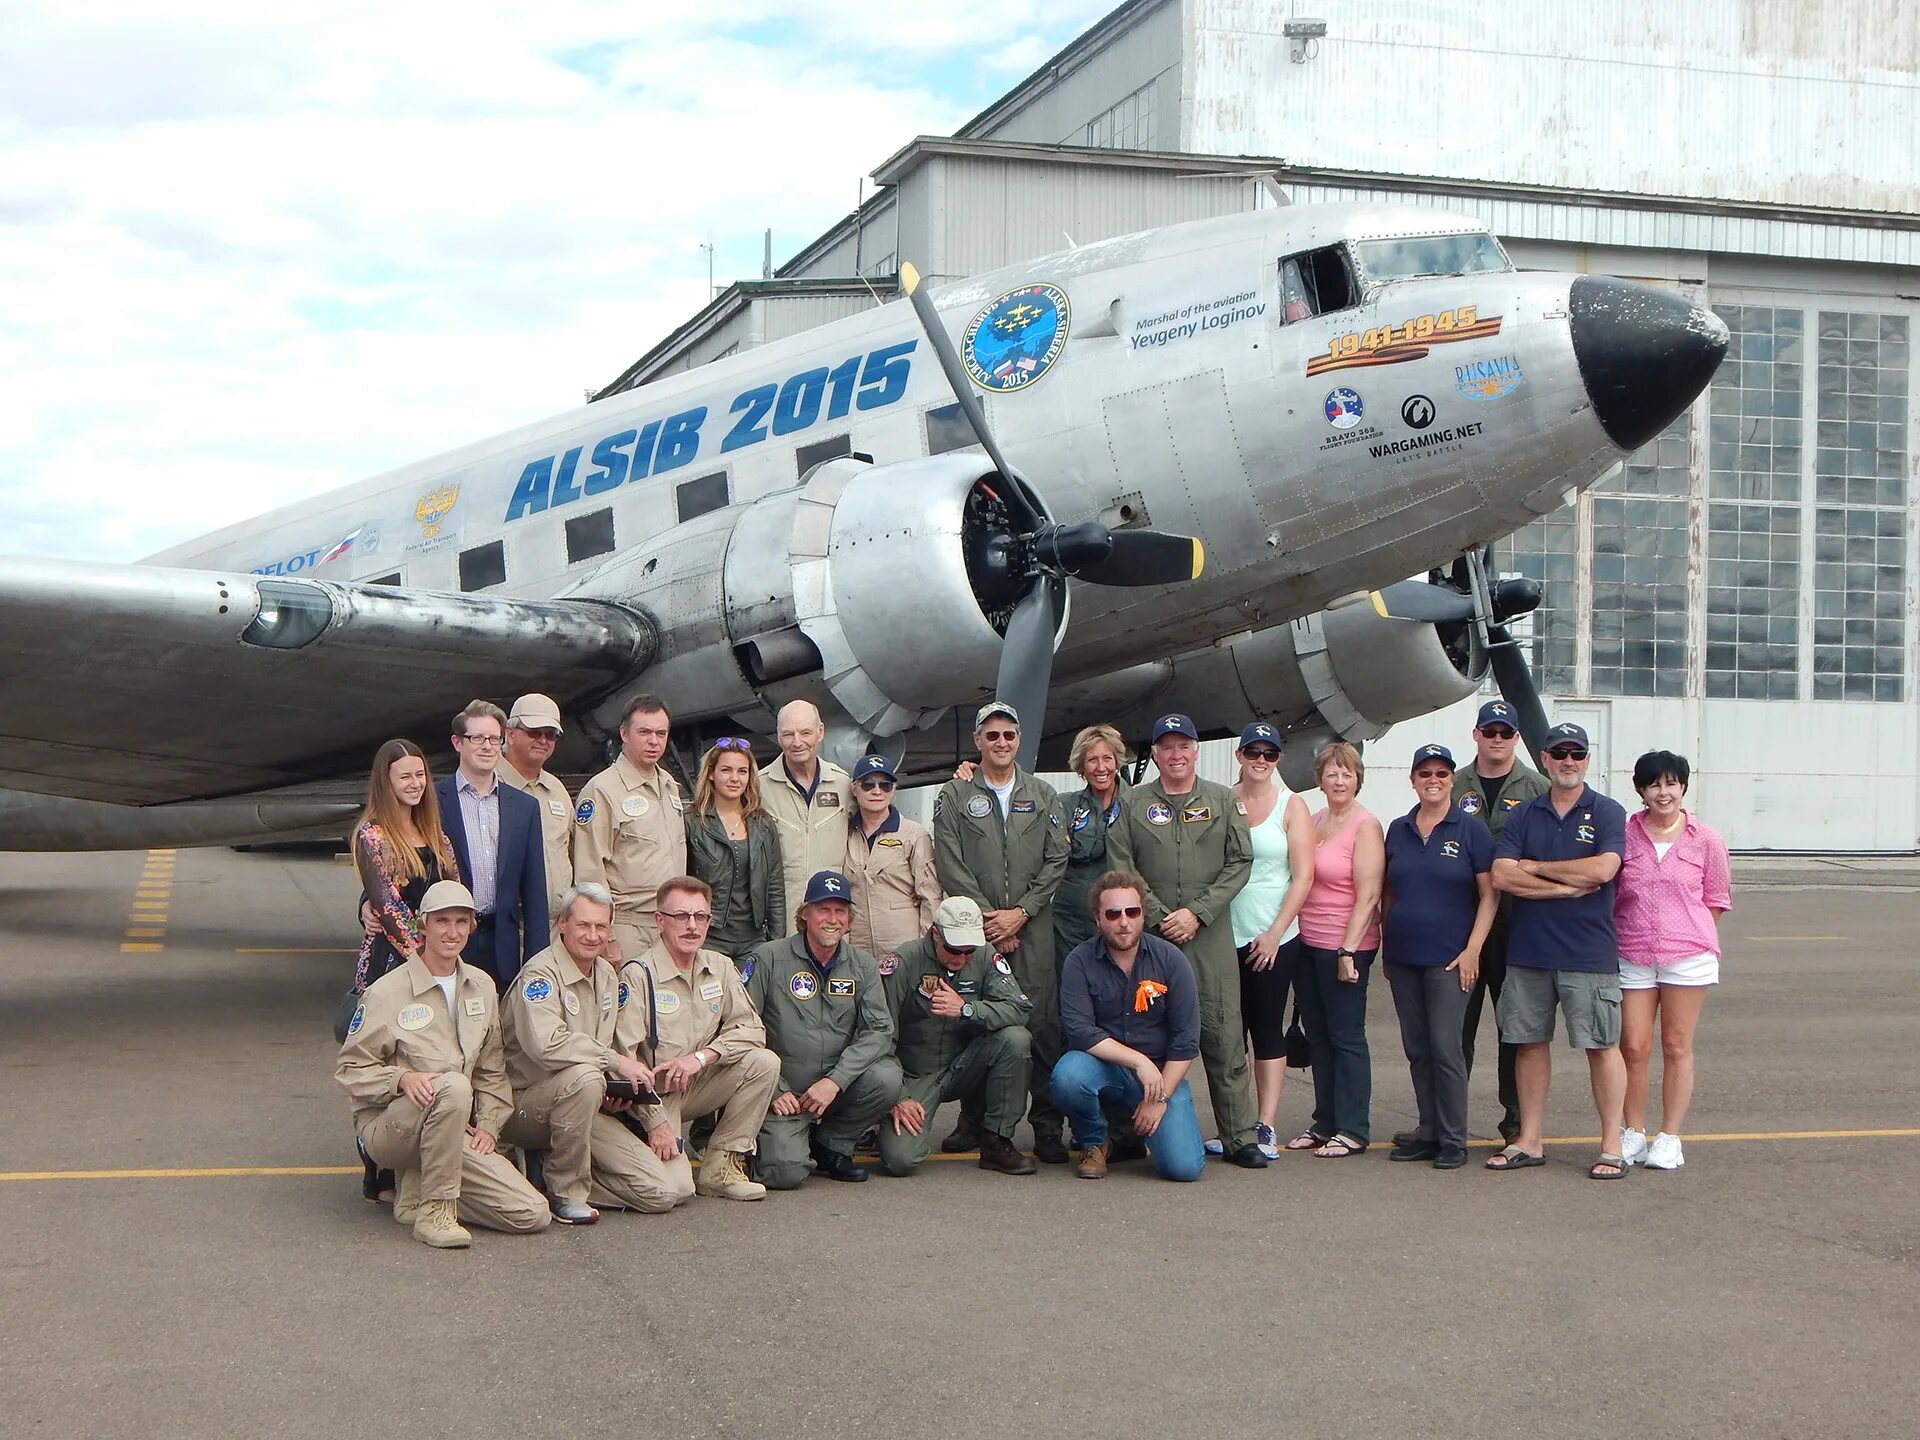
1768	1289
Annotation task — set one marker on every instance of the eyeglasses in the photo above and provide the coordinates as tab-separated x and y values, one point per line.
1432	774
732	742
1260	752
876	785
1567	752
1498	732
999	734
1132	912
481	742
682	917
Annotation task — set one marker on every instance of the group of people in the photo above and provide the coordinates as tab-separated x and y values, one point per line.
784	971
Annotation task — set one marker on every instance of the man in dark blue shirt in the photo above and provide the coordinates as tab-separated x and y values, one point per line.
1557	856
1130	1019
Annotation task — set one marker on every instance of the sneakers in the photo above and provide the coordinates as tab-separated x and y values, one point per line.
1093	1162
1633	1147
1216	1148
1268	1142
439	1225
406	1198
573	1212
1664	1153
722	1175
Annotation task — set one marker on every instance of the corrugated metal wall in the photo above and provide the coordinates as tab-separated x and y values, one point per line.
1058	114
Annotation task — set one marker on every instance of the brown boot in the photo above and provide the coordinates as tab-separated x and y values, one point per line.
998	1153
1093	1162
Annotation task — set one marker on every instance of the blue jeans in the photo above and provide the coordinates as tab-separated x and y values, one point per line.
1082	1084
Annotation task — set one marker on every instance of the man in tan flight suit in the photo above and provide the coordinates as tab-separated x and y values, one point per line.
533	729
1001	838
559	1018
628	831
684	1012
808	800
425	1066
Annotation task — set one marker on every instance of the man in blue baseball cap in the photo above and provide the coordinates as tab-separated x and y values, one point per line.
826	1014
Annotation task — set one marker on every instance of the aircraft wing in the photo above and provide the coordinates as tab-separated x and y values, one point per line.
140	685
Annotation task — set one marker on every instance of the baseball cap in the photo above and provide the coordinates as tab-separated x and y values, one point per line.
960	923
1433	752
992	708
1261	733
1175	725
872	765
1565	734
535	712
445	895
828	885
1495	712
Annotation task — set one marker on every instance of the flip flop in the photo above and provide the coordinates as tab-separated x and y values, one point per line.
1340	1147
1306	1140
1514	1158
1614	1162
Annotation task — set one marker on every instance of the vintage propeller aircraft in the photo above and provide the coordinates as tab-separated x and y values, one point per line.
1168	470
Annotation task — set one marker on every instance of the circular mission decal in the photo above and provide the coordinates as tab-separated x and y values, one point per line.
1015	340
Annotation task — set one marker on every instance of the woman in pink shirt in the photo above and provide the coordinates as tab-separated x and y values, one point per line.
1675	884
1339	936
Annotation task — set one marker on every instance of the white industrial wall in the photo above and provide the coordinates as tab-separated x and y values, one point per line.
1058	107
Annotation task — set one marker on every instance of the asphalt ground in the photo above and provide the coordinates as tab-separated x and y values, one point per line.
1768	1289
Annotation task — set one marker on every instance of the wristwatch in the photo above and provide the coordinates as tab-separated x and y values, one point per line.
966	1011
1345	955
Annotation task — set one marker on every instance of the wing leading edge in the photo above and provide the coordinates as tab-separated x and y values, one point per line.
140	685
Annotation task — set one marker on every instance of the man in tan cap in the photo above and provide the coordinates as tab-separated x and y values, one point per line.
426	1069
959	1019
533	729
560	1014
808	798
629	833
684	1012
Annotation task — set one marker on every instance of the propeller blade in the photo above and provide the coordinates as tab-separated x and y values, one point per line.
1515	596
1026	660
1423	601
1146	557
1026	514
1515	678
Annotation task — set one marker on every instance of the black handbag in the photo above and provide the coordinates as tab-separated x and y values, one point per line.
1299	1052
343	1015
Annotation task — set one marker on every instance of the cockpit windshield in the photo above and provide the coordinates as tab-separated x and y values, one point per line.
1414	256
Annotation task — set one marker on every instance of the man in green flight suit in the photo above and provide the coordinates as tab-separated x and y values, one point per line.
820	998
1001	838
959	1016
1189	841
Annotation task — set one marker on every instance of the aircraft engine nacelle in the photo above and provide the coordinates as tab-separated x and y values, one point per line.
884	587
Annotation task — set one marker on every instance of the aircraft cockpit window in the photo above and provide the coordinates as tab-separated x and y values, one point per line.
291	615
1422	255
1316	282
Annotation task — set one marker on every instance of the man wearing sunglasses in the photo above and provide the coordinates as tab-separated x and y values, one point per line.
1001	838
1495	785
807	798
959	1019
533	730
1557	855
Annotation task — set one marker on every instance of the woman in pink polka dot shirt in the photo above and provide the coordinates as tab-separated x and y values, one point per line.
1675	884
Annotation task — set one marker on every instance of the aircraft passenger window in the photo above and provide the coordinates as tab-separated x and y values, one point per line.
832	448
483	565
393	579
1421	255
291	615
947	429
698	496
590	535
1316	282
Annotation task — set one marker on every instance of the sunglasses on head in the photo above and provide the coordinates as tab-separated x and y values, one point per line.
1567	752
1497	732
1132	912
730	742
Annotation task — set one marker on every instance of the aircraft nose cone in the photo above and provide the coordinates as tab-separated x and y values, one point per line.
1644	354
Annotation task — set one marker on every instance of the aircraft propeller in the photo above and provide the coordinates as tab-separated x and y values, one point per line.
1028	561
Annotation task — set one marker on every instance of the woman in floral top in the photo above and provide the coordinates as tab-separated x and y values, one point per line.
1675	884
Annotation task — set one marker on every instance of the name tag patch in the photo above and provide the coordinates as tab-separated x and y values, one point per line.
1023	807
803	986
1158	814
828	800
841	988
476	1006
415	1017
634	805
665	1002
1196	814
710	990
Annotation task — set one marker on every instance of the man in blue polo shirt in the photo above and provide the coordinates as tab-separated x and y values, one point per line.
1557	855
1130	1018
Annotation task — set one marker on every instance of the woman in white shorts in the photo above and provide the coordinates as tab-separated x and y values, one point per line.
1675	884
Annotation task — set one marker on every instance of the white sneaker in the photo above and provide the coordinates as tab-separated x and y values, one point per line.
1216	1148
1633	1147
1665	1153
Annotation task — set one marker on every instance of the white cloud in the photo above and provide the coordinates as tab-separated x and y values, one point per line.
253	254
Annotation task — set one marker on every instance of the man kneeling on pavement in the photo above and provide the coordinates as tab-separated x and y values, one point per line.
425	1065
820	998
684	1012
959	1018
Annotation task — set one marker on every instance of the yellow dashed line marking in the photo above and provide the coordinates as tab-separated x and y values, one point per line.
1787	939
293	950
147	915
134	933
133	946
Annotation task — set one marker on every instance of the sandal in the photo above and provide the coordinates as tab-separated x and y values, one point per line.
1616	1163
1306	1140
1514	1158
1340	1147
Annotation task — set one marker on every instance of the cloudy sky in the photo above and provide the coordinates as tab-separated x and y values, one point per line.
253	252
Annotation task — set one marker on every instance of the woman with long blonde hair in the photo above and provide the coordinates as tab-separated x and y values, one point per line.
734	846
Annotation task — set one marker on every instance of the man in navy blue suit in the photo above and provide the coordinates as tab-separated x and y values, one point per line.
495	830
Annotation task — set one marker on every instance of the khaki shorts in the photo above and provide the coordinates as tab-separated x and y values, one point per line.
1590	1002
